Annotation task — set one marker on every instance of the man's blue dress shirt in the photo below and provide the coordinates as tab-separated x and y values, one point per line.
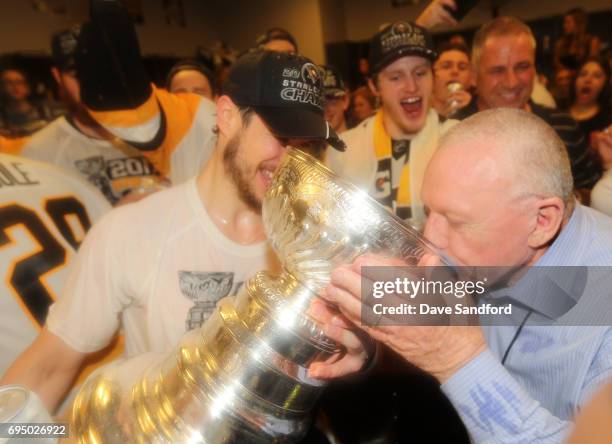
550	371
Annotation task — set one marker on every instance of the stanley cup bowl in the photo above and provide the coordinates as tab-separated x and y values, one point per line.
243	376
317	221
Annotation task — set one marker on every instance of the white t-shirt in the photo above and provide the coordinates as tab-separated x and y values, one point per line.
160	265
117	168
44	214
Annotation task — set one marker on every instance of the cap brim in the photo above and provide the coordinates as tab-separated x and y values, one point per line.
335	93
291	123
403	52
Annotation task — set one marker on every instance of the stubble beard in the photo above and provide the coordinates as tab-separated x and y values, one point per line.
238	174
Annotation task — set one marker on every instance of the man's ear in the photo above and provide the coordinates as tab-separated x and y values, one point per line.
228	117
372	86
550	214
346	101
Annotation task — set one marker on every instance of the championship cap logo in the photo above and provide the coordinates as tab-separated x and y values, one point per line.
330	80
402	34
400	28
311	74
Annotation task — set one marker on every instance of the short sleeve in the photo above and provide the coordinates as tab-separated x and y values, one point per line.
86	315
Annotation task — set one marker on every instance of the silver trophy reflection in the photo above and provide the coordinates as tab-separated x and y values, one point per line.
242	377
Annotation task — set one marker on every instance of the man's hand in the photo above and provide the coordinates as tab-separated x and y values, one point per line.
438	350
358	346
457	100
435	14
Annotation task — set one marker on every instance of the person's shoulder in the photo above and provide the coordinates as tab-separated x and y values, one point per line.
447	124
468	110
601	195
156	201
603	222
54	132
187	114
155	210
45	179
185	102
205	115
553	116
359	130
439	122
40	172
604	116
354	139
599	240
562	122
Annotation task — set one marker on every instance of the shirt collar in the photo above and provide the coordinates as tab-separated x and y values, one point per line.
553	286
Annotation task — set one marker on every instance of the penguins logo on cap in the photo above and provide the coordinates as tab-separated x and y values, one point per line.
311	74
400	28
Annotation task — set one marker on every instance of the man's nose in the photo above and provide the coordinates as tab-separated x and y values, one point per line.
435	231
511	79
410	84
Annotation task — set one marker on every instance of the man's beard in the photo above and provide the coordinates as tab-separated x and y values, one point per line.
238	175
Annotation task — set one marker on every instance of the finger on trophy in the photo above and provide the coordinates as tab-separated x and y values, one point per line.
325	313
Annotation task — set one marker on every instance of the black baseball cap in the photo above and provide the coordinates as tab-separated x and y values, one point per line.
286	91
276	34
397	40
63	48
333	85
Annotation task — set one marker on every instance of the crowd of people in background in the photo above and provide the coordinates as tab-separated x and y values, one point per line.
579	84
383	133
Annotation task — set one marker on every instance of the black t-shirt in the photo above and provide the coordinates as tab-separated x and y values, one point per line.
598	122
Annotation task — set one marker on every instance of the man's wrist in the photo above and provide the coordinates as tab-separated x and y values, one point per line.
445	374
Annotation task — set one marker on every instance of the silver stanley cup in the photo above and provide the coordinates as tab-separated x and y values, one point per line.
242	377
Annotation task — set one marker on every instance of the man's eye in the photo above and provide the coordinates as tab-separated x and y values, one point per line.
523	66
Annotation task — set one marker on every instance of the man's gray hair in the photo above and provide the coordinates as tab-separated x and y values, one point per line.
500	26
537	157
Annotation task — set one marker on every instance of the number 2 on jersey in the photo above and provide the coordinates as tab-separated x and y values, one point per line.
25	276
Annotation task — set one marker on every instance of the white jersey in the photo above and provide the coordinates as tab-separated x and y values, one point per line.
115	167
44	214
362	164
158	266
